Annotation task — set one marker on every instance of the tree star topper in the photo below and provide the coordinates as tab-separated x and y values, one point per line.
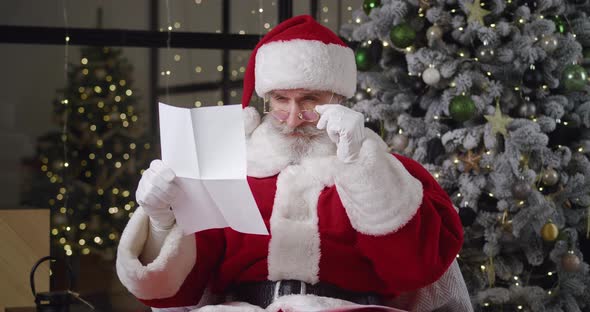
498	121
476	12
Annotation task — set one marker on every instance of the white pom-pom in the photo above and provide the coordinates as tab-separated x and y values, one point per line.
251	119
431	76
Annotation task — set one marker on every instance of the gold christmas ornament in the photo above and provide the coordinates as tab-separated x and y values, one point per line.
549	231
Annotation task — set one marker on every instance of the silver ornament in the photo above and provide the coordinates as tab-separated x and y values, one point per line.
399	142
431	76
434	33
570	262
549	43
550	177
521	190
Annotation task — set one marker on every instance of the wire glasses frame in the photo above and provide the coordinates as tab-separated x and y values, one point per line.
307	115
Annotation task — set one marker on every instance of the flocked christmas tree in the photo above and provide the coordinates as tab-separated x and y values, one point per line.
492	97
89	168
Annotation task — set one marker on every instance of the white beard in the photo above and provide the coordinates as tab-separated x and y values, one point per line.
302	141
272	147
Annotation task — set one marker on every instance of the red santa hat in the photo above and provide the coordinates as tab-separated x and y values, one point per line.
300	53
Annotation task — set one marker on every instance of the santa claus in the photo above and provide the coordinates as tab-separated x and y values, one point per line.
350	224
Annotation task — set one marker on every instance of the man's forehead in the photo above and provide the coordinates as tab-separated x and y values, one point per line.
299	92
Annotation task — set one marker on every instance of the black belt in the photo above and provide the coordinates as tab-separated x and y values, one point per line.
264	293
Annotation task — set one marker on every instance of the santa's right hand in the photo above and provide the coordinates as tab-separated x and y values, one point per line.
155	193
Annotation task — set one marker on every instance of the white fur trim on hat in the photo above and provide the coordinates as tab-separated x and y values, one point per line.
305	64
163	277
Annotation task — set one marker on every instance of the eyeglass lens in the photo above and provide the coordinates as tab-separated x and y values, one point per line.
306	115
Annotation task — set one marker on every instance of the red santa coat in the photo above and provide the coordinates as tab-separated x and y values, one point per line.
381	224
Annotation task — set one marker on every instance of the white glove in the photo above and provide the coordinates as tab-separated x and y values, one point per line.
345	127
155	193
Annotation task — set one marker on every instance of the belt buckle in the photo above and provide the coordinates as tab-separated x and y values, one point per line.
277	289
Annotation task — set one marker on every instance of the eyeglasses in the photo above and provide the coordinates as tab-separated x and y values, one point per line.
308	115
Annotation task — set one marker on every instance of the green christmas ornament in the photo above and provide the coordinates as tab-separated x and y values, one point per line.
369	5
362	57
575	78
402	35
462	108
560	24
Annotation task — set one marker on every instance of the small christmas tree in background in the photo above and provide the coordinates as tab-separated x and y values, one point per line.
492	97
90	168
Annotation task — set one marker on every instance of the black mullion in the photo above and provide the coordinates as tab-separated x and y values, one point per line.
225	54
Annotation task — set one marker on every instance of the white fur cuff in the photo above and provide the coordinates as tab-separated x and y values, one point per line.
379	194
163	277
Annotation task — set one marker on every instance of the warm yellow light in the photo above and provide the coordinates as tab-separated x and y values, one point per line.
118	164
85	251
128	92
82	226
117	99
219	68
54	231
82	242
198	69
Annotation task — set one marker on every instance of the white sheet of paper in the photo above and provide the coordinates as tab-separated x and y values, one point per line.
206	148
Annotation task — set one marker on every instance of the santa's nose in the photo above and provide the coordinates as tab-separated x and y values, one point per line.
294	121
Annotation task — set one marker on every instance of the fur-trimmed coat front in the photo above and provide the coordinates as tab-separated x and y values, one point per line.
381	224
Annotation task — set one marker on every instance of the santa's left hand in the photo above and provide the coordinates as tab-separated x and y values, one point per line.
345	127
